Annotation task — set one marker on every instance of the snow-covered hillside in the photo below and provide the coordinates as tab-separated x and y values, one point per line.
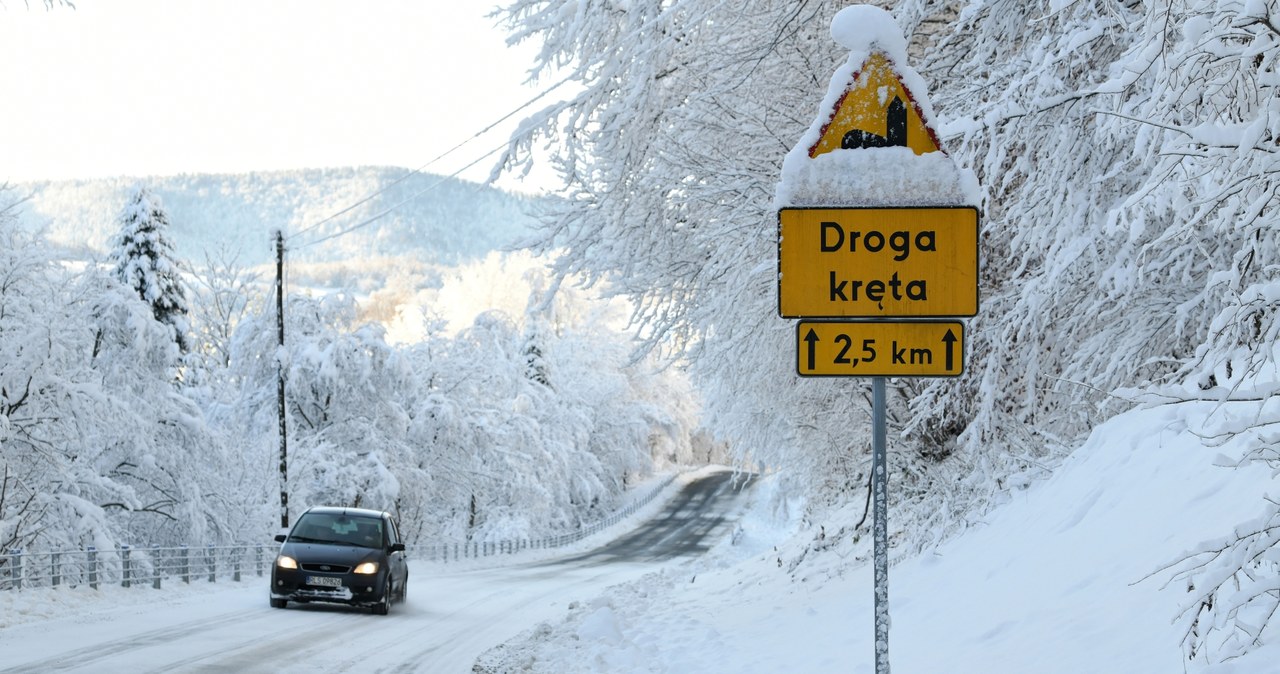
437	219
1072	576
398	240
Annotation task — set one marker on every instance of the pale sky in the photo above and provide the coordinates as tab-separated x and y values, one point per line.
161	87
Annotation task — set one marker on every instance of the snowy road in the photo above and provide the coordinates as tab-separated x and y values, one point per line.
450	618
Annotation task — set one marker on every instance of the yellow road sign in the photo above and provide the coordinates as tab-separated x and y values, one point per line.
877	262
880	349
876	110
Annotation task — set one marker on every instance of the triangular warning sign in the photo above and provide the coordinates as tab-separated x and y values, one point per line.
876	110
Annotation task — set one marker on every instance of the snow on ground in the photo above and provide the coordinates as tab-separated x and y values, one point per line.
1066	578
36	604
40	604
452	615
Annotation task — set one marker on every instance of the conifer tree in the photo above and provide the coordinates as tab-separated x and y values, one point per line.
536	329
143	259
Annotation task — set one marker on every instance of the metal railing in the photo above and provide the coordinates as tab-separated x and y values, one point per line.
460	550
130	566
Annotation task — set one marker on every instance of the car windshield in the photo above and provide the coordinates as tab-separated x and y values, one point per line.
364	532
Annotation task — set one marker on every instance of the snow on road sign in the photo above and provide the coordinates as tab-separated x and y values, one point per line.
876	110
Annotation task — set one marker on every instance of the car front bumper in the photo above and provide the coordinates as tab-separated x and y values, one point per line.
356	590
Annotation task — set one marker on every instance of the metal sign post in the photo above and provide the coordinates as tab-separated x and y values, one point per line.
880	525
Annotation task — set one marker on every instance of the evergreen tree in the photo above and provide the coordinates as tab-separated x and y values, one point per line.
144	260
536	329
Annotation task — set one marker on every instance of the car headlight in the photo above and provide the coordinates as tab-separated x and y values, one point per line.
366	569
286	562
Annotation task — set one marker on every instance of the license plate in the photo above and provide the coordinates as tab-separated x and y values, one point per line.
324	581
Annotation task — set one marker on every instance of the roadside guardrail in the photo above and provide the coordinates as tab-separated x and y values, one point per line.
131	565
460	550
153	566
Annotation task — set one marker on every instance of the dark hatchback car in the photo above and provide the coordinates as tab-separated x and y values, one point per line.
341	555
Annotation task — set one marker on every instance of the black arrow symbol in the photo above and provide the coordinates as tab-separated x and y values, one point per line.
950	340
812	339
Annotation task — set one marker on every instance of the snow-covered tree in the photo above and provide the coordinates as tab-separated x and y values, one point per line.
506	455
222	294
344	394
1125	153
143	259
536	326
451	433
96	445
463	436
672	154
1129	153
1127	156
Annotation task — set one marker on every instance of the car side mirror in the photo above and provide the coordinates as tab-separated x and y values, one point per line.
396	547
280	538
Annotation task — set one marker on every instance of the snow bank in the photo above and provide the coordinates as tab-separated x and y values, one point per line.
1066	578
39	604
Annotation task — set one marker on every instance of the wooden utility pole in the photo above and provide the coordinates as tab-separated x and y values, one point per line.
284	444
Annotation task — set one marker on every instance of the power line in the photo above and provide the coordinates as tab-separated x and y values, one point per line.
442	155
391	209
572	75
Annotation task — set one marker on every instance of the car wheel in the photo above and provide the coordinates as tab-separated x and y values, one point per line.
279	603
404	591
382	607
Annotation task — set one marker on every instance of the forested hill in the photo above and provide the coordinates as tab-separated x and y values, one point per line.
437	219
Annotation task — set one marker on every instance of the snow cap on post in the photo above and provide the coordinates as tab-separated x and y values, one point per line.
872	142
861	28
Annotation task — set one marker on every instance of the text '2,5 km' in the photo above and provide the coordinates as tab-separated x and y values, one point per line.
879	348
877	262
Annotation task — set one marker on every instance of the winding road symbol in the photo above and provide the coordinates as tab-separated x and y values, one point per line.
895	130
875	110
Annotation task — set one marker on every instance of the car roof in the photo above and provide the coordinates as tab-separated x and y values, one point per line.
339	510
